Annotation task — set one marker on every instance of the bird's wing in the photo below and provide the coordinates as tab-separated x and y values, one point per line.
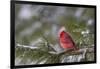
68	39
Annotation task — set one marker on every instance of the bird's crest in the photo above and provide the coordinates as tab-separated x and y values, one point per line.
61	30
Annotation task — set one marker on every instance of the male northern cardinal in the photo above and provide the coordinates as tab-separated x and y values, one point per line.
66	41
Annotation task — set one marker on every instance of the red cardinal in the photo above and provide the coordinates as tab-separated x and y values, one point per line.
66	41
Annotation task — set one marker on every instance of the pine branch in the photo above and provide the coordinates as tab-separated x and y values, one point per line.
83	51
75	52
64	56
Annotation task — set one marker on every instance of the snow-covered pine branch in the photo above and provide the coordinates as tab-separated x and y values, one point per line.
67	56
79	51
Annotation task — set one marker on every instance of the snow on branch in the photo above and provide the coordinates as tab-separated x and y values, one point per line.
25	46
